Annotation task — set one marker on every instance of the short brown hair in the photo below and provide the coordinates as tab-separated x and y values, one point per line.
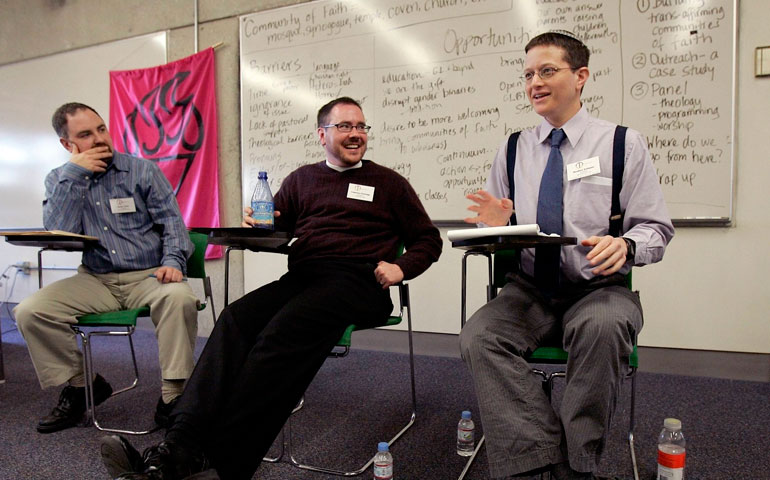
59	118
576	53
323	112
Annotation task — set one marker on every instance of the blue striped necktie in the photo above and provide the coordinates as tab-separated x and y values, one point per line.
549	215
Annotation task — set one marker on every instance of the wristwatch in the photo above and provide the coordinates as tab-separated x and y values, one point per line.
630	248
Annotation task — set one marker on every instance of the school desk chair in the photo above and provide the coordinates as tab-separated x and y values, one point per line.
106	323
499	264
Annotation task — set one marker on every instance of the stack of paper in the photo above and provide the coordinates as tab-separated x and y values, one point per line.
466	233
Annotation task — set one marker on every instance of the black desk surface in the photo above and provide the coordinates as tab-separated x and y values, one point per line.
493	243
257	239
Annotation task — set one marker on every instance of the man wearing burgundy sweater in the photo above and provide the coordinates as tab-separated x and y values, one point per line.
349	216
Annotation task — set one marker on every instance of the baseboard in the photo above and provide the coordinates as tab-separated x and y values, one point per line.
753	367
701	363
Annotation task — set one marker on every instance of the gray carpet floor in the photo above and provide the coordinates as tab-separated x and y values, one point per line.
360	400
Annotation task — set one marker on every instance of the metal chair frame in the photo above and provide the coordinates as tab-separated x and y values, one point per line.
286	447
127	319
547	378
88	365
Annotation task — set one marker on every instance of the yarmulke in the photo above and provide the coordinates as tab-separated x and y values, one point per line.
566	33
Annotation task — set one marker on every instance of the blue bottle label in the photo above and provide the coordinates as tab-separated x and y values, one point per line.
263	214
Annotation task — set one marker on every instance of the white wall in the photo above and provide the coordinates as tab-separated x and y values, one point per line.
30	91
710	292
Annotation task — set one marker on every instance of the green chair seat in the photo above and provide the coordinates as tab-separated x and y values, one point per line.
119	318
345	340
556	355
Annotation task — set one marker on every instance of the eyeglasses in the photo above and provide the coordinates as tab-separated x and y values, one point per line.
347	128
545	73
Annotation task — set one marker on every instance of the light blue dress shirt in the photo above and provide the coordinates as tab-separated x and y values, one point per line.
587	200
78	201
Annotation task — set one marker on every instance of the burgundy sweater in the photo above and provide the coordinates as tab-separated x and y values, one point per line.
314	204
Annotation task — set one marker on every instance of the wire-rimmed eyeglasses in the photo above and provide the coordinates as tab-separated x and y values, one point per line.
544	73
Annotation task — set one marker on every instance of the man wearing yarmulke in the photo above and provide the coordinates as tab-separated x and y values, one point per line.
576	298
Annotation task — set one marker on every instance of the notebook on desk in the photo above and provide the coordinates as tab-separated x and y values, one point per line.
467	233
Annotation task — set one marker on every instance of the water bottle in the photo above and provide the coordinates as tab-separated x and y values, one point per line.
671	451
383	463
262	203
465	440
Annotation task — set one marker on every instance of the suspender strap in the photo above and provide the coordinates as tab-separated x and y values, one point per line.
618	163
511	163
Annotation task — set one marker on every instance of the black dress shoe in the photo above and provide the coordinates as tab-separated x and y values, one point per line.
163	412
169	461
119	456
72	405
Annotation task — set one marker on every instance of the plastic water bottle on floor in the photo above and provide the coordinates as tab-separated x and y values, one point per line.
262	203
383	463
465	439
671	452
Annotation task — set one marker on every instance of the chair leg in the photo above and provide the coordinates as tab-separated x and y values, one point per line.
282	437
86	346
404	292
471	459
632	424
2	365
210	299
285	435
89	372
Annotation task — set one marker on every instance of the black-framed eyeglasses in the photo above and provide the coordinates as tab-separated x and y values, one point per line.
544	73
347	128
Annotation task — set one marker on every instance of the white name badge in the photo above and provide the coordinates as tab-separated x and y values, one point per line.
583	168
360	192
122	205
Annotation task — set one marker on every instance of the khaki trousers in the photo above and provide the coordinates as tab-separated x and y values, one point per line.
44	320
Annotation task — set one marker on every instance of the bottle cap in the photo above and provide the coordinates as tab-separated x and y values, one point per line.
262	175
382	447
467	414
672	424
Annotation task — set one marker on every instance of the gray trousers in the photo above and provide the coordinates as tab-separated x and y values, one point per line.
44	320
596	323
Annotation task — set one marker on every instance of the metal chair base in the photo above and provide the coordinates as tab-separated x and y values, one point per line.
547	380
89	372
286	440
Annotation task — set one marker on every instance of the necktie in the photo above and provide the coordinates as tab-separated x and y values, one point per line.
549	215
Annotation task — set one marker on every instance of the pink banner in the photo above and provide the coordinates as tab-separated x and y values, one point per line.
168	114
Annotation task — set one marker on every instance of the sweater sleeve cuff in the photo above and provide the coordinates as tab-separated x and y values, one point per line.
404	266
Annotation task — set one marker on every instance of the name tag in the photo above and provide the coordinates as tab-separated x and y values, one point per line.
583	168
122	205
360	192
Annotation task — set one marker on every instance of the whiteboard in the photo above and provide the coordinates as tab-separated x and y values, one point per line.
439	81
30	91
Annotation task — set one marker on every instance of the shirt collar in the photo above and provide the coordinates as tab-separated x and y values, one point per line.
342	169
120	162
574	127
